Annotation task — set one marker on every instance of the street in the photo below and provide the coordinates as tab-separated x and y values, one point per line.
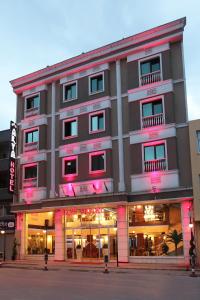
80	284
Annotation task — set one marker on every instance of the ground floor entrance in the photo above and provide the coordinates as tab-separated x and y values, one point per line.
132	232
88	243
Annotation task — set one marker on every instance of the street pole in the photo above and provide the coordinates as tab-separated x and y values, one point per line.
4	244
46	224
117	246
192	250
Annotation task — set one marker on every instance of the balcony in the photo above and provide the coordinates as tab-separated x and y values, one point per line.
155	165
154	120
30	146
30	182
31	112
150	78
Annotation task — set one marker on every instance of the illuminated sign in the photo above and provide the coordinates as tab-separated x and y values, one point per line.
12	163
7	225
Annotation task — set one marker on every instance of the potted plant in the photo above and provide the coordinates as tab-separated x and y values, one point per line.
165	248
175	238
105	249
78	252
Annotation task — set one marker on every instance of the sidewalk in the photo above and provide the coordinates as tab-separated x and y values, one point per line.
55	265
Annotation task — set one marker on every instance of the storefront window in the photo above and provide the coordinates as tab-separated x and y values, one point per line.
92	229
155	230
38	238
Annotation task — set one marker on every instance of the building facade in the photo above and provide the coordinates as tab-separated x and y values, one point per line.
100	153
7	219
194	130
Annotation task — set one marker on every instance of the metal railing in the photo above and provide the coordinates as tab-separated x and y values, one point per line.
153	120
31	182
31	112
150	77
155	165
31	146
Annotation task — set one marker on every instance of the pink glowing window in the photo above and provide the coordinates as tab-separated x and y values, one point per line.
96	84
97	121
150	66
70	91
32	136
152	108
30	172
32	102
70	128
70	166
97	162
154	152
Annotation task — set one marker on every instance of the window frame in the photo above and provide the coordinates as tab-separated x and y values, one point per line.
161	97
147	58
23	172
72	136
68	158
198	141
154	143
30	130
89	85
31	96
90	121
67	84
96	153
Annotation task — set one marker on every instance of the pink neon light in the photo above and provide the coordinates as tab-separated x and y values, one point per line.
154	143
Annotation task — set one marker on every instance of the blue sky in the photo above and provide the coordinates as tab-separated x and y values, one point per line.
37	33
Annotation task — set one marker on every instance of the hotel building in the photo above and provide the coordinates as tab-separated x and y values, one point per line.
103	153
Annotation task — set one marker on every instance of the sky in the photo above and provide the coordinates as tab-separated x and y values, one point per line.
37	33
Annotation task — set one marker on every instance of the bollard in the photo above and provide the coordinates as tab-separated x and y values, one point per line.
106	264
45	262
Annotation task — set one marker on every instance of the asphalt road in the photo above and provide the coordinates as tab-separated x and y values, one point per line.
74	284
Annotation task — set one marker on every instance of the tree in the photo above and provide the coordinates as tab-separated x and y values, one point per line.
175	238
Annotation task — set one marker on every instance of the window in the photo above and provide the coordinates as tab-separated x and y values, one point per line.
154	158
30	172
32	136
151	227
96	84
70	166
97	122
198	141
150	66
97	162
152	108
154	152
32	102
152	113
70	128
70	91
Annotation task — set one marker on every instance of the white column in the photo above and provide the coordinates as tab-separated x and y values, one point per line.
53	119
59	235
122	234
185	205
121	184
20	235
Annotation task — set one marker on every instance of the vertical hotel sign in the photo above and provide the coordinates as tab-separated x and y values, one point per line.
12	162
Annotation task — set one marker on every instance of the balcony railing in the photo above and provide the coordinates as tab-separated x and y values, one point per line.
30	182
155	165
31	146
150	77
31	112
154	120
